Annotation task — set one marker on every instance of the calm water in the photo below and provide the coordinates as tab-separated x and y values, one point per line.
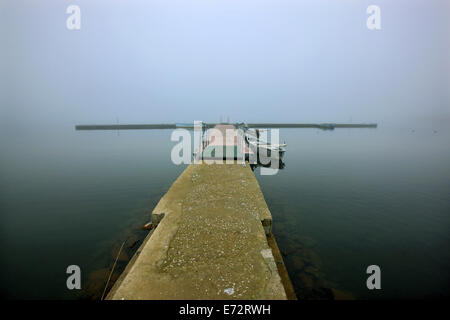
345	200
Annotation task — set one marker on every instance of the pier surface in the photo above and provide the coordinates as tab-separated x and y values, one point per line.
210	241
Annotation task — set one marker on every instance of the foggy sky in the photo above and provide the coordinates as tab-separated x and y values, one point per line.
179	61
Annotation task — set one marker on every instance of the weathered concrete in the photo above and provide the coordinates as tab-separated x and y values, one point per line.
282	271
209	244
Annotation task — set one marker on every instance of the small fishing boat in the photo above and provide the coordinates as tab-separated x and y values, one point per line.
268	149
252	137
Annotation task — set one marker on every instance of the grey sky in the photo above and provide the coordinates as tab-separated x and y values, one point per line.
177	61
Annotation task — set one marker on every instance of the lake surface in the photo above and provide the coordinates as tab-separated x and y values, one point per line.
346	199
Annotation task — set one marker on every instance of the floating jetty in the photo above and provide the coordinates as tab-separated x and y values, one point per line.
212	239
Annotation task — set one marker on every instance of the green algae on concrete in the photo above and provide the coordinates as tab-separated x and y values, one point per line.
210	242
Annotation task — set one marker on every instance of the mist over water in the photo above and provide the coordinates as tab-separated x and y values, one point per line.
345	200
363	197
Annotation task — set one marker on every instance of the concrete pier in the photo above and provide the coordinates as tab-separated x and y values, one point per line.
210	242
212	234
